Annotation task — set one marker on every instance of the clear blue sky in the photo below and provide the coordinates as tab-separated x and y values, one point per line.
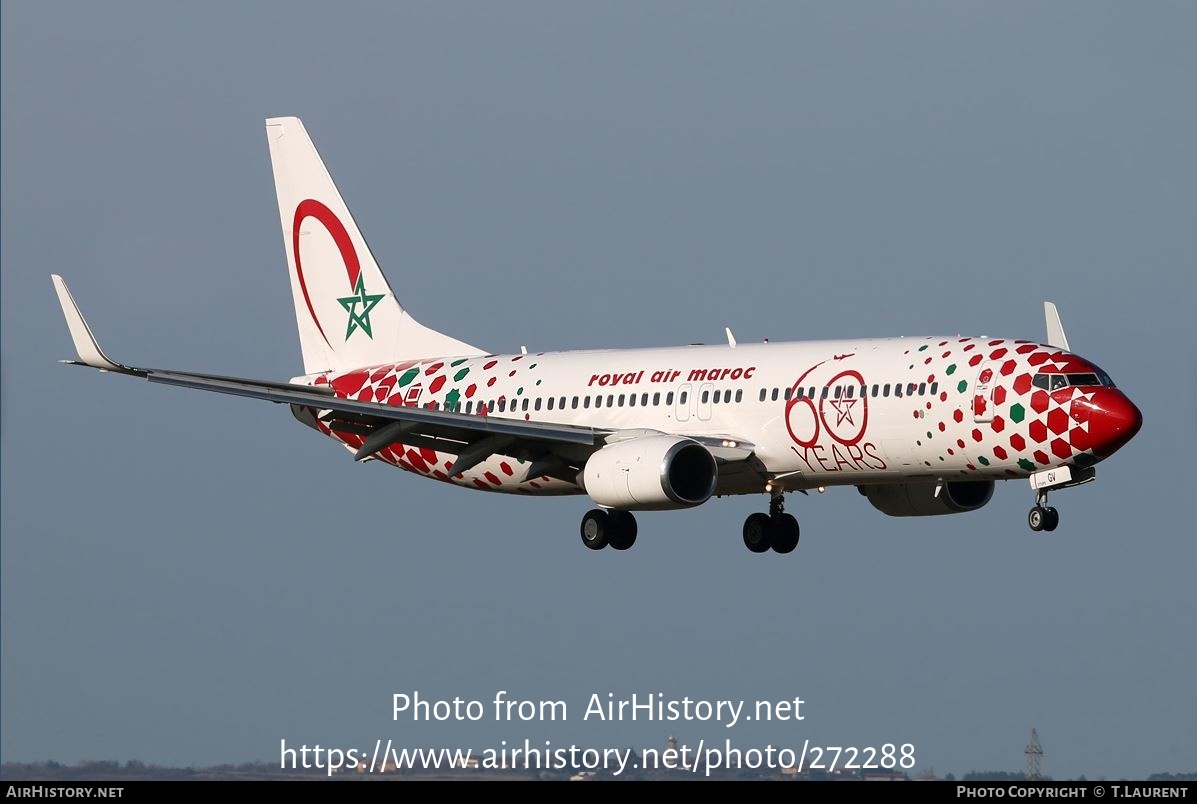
189	578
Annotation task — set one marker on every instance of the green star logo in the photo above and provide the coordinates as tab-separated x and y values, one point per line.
360	319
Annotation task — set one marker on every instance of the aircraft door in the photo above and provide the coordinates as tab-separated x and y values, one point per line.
983	395
704	401
683	401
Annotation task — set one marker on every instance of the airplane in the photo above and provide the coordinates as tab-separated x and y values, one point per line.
921	426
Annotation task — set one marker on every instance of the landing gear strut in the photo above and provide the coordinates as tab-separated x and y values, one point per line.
777	529
615	528
1043	516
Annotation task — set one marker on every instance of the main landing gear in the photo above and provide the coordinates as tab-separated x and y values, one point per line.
776	529
1043	516
602	528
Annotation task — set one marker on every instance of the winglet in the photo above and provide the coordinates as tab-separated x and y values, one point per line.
1055	330
90	353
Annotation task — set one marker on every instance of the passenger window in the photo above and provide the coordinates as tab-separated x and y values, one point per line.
898	390
851	390
922	389
739	394
788	392
537	405
705	396
598	401
825	390
934	388
525	405
574	404
910	389
838	392
643	400
502	405
586	402
631	400
874	390
885	390
774	396
727	396
762	394
621	400
799	393
657	398
681	400
610	400
669	397
552	399
469	407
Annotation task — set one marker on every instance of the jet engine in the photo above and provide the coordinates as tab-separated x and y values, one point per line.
650	472
919	499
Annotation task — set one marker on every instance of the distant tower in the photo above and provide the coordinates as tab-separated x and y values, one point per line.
1034	754
671	743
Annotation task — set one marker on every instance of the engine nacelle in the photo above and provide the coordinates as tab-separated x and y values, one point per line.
918	499
651	472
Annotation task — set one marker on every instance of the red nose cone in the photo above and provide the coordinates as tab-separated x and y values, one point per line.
1113	421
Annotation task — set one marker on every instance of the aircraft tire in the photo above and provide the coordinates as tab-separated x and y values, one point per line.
758	532
1051	519
621	529
1036	518
595	527
785	533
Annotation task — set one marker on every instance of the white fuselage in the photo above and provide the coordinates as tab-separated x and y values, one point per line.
817	413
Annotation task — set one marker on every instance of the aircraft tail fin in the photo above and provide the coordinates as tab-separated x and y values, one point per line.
1055	330
347	314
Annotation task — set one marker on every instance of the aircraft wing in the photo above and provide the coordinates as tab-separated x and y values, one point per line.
473	438
557	450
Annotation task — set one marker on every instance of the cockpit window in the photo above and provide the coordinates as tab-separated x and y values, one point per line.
1054	382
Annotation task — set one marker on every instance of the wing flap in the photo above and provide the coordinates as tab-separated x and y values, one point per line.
460	426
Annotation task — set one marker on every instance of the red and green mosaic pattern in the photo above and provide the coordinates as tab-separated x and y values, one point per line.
1013	427
444	383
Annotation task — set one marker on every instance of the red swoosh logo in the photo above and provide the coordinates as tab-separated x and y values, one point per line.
311	208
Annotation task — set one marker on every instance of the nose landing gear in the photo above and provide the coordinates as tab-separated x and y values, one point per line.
1042	516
